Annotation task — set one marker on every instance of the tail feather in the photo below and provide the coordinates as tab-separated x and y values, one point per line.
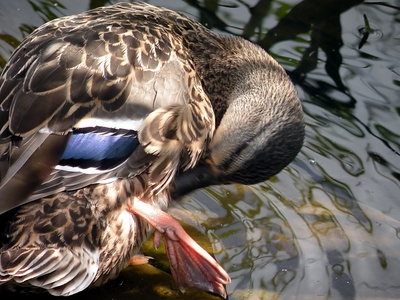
28	166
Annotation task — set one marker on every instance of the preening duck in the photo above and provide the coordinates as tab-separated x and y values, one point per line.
106	113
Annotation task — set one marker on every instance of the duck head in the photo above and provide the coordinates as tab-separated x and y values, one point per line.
260	132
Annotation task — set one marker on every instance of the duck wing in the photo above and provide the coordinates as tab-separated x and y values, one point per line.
118	81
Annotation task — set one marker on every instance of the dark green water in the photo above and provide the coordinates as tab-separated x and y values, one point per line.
328	226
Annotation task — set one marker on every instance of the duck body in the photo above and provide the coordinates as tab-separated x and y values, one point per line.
102	114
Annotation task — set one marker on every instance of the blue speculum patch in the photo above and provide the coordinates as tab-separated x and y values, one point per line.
96	150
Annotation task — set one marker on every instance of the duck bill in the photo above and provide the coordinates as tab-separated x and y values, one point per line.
203	175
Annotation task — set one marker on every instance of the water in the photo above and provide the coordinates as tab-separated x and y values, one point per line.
328	226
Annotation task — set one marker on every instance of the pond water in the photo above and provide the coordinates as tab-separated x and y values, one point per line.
327	226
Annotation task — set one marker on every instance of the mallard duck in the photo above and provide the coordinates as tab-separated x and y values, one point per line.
106	113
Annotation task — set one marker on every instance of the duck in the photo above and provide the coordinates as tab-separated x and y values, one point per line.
106	117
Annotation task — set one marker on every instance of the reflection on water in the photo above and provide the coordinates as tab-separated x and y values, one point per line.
328	226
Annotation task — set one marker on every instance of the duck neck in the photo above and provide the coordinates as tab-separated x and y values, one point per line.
228	67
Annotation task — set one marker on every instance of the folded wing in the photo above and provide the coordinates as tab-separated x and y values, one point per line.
104	77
